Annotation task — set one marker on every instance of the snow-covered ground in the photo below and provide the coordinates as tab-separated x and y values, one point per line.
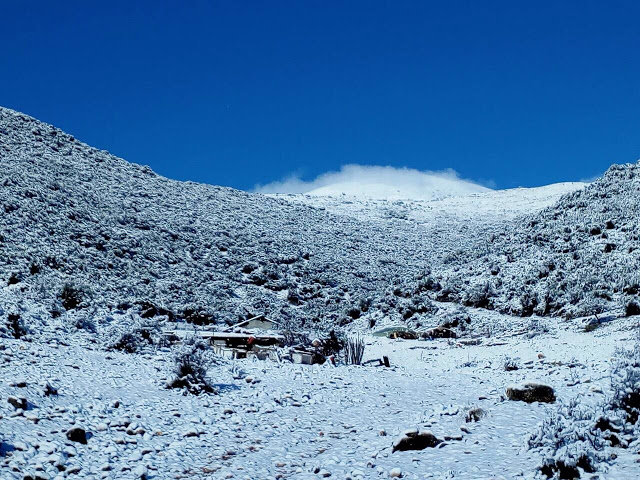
367	203
93	249
280	420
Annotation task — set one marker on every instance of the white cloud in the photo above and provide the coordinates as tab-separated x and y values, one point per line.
378	182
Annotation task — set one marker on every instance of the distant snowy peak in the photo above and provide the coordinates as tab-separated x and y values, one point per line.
425	187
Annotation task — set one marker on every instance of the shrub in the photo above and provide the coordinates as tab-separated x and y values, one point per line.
475	414
479	296
16	325
568	442
632	308
190	368
510	364
625	382
71	296
333	344
354	350
295	339
85	323
135	336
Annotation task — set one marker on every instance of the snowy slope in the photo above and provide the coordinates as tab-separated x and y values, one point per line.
577	257
427	187
124	236
486	207
96	251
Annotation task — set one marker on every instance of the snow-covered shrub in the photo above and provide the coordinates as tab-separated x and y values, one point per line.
475	414
295	339
528	303
625	382
190	368
16	326
584	307
71	296
479	296
568	442
85	323
510	364
353	350
131	334
632	308
333	344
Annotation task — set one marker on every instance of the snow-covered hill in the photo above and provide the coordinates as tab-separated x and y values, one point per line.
495	206
121	238
100	257
426	187
576	257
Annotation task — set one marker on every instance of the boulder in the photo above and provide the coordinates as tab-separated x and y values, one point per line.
18	402
531	392
77	434
403	335
414	440
439	332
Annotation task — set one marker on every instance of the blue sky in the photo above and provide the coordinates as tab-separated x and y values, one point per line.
242	93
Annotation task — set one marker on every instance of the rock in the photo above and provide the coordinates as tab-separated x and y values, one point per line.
403	335
439	332
531	392
77	434
414	440
135	456
140	472
101	427
395	473
48	389
18	402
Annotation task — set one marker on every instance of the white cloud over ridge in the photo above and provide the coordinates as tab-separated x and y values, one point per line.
377	182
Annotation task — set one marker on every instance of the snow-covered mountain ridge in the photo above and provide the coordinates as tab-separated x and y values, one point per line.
123	237
100	259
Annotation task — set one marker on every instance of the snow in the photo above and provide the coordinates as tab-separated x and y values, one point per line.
294	420
98	254
431	188
496	206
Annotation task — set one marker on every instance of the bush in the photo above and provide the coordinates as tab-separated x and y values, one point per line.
354	350
16	325
295	339
85	323
568	442
625	382
479	296
135	336
71	296
632	308
333	344
190	369
475	414
510	364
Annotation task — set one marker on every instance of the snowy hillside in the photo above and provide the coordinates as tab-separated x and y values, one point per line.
427	188
574	258
487	207
455	331
123	237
